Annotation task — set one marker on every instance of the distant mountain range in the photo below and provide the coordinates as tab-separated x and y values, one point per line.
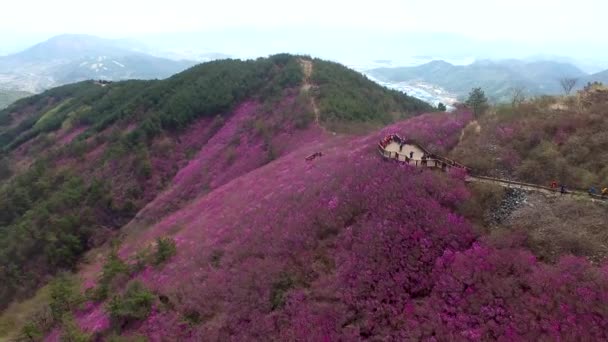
497	78
73	58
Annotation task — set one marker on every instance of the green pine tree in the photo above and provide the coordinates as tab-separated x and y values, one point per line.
477	101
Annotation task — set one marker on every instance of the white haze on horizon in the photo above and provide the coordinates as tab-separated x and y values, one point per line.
354	32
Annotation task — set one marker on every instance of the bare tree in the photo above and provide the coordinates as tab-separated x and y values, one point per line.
518	95
568	84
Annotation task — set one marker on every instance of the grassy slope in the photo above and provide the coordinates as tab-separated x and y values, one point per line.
81	160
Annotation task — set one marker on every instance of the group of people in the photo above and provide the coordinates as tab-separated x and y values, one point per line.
603	193
389	138
562	187
592	190
314	155
410	155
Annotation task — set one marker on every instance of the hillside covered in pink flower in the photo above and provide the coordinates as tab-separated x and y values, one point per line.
220	205
351	247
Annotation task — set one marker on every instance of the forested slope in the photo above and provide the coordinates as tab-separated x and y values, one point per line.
79	161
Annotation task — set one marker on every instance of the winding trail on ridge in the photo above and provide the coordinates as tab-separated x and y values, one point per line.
307	68
389	152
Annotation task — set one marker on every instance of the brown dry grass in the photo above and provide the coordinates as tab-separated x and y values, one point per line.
553	227
18	313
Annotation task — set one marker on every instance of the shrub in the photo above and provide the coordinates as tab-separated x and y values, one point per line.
31	331
71	332
193	317
134	305
279	290
165	249
113	267
65	296
141	259
487	294
216	258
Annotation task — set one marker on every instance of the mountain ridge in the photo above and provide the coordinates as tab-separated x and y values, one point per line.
198	129
72	58
497	78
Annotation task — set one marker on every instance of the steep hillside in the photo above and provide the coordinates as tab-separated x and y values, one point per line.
344	247
497	78
9	96
81	160
219	205
543	140
74	58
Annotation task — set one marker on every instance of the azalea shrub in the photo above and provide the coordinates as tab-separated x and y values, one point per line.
488	294
346	247
363	249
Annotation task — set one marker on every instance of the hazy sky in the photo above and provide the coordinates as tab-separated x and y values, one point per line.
487	19
567	24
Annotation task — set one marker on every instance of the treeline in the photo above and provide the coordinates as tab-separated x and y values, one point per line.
48	217
361	100
206	90
46	222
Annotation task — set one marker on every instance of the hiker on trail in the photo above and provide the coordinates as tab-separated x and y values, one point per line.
604	192
314	155
554	184
592	191
412	155
562	189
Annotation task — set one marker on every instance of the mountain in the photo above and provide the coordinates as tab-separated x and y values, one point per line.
233	201
81	161
601	77
497	78
9	96
73	58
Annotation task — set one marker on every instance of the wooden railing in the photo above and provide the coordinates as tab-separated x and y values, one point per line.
433	161
445	164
